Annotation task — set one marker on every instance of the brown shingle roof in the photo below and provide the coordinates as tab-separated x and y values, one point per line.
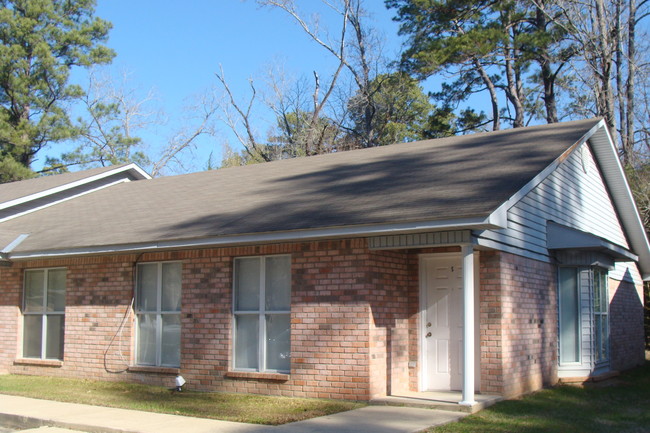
452	178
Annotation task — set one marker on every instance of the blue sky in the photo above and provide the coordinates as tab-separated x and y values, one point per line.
176	47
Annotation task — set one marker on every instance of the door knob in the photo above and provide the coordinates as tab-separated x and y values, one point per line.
428	334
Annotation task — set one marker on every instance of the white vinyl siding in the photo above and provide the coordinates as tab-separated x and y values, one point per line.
570	196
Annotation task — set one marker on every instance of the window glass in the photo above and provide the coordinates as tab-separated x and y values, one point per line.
171	340
33	336
56	290
247	284
147	339
569	316
278	344
43	315
159	294
54	344
147	287
601	317
247	341
262	332
34	291
278	283
171	287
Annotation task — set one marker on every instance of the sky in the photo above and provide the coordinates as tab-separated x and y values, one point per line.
174	48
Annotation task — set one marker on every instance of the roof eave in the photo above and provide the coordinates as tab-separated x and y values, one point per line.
473	223
614	175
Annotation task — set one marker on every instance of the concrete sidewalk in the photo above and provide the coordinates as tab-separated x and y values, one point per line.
24	413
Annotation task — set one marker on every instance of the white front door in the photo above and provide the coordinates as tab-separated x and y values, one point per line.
442	327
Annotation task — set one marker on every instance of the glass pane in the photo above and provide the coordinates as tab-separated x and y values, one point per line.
247	284
146	339
32	336
34	291
54	339
171	287
597	291
171	340
602	278
569	316
278	342
147	287
605	337
246	341
56	290
278	283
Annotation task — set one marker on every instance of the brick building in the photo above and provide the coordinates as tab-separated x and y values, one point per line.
494	263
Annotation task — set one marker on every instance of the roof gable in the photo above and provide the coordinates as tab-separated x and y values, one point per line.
17	198
25	190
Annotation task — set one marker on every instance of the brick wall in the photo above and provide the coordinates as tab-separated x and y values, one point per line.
391	303
354	321
518	301
351	317
9	316
626	325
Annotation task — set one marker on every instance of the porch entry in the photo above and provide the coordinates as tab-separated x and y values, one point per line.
441	324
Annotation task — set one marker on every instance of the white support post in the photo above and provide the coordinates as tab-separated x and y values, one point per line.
468	325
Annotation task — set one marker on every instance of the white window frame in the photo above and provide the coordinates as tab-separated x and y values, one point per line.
587	310
261	313
596	274
43	313
158	313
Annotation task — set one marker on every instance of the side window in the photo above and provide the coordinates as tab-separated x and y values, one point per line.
576	310
44	313
158	314
569	316
601	315
261	309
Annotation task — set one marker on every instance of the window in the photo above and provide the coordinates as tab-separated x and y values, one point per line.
569	316
158	314
601	324
583	300
262	299
44	313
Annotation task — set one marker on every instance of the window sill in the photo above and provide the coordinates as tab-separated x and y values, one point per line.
275	377
152	369
39	362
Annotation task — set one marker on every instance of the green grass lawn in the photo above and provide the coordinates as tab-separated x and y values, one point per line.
228	407
619	405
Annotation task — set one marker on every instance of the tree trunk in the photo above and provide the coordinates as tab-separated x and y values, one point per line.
513	88
628	145
548	77
496	116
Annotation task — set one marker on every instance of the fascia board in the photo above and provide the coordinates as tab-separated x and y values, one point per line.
478	223
621	194
135	170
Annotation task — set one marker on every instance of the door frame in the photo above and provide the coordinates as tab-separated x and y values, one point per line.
422	358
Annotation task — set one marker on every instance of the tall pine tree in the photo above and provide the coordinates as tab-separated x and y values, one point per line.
40	42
